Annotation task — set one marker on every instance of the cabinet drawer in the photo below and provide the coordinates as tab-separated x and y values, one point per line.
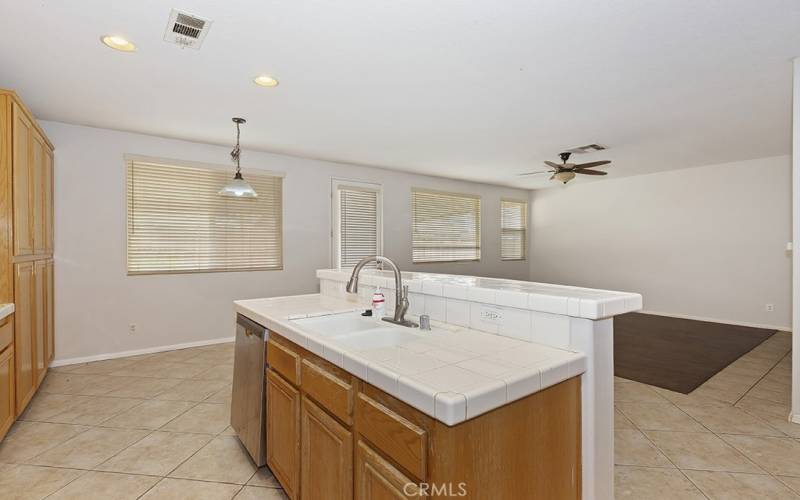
329	390
6	331
284	360
400	439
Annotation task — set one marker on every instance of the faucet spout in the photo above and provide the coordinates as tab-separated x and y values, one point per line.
401	292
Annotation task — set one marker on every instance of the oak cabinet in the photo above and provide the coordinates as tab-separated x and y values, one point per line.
377	479
48	209
283	432
326	464
32	160
49	315
26	247
24	334
38	148
358	442
39	314
7	389
22	160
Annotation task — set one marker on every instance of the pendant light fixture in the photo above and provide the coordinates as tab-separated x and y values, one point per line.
238	187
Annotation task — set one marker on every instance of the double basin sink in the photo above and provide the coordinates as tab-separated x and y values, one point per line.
356	332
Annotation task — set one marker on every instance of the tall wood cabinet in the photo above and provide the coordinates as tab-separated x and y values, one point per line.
26	255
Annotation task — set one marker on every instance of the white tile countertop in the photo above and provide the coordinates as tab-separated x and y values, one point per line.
450	373
6	309
565	300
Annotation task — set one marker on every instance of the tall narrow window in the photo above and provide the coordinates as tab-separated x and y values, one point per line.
177	223
357	222
514	229
446	227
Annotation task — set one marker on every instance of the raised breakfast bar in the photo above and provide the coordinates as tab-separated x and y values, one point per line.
509	395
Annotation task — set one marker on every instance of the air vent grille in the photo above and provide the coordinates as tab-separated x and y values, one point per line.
186	30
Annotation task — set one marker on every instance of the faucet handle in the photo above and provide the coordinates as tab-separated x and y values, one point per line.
405	290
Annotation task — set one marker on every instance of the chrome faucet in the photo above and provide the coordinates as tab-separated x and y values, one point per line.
401	292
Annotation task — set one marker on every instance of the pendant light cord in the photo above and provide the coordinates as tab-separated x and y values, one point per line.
237	151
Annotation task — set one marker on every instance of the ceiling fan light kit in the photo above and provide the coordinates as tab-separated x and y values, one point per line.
565	172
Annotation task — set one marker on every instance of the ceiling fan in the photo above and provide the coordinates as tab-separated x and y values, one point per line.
566	171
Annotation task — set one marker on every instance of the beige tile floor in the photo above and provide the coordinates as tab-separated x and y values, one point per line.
152	426
729	439
156	427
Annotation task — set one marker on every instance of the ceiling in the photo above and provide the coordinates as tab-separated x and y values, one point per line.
479	89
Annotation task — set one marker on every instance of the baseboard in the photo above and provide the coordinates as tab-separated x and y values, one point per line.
136	352
795	418
717	320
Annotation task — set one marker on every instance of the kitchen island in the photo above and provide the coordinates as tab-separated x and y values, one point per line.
492	402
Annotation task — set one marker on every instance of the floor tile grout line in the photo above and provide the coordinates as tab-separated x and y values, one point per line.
668	458
663	454
762	378
765	471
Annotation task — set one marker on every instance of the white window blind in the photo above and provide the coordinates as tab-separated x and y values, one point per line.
446	227
514	229
358	230
177	223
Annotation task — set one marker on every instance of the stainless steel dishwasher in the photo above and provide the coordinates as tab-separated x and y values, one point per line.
248	401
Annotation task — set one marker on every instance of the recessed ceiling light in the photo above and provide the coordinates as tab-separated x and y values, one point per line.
266	81
118	43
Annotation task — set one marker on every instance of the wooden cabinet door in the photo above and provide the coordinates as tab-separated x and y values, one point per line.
377	479
326	471
50	337
24	338
39	315
38	149
22	132
283	433
49	212
6	390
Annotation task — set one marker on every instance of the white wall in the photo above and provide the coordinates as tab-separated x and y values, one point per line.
796	242
706	242
96	300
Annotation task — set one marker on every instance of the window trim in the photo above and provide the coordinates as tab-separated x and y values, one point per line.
336	184
525	230
415	189
128	158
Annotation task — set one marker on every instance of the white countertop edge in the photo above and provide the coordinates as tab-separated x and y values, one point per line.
589	303
449	407
6	310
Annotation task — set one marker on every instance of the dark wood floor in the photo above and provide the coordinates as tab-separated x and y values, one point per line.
678	354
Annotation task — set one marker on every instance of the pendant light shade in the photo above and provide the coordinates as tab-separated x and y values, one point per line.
238	187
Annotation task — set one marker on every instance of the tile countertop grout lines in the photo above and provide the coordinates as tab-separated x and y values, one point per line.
545	366
544	297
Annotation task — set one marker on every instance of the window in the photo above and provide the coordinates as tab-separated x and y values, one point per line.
177	223
357	213
446	227
514	229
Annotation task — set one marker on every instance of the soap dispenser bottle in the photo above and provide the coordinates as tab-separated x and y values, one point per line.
378	304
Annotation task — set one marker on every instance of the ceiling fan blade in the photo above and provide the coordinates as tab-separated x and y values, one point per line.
591	172
593	164
537	173
552	164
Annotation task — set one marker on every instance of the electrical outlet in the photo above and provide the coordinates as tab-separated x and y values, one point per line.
132	328
770	307
491	315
